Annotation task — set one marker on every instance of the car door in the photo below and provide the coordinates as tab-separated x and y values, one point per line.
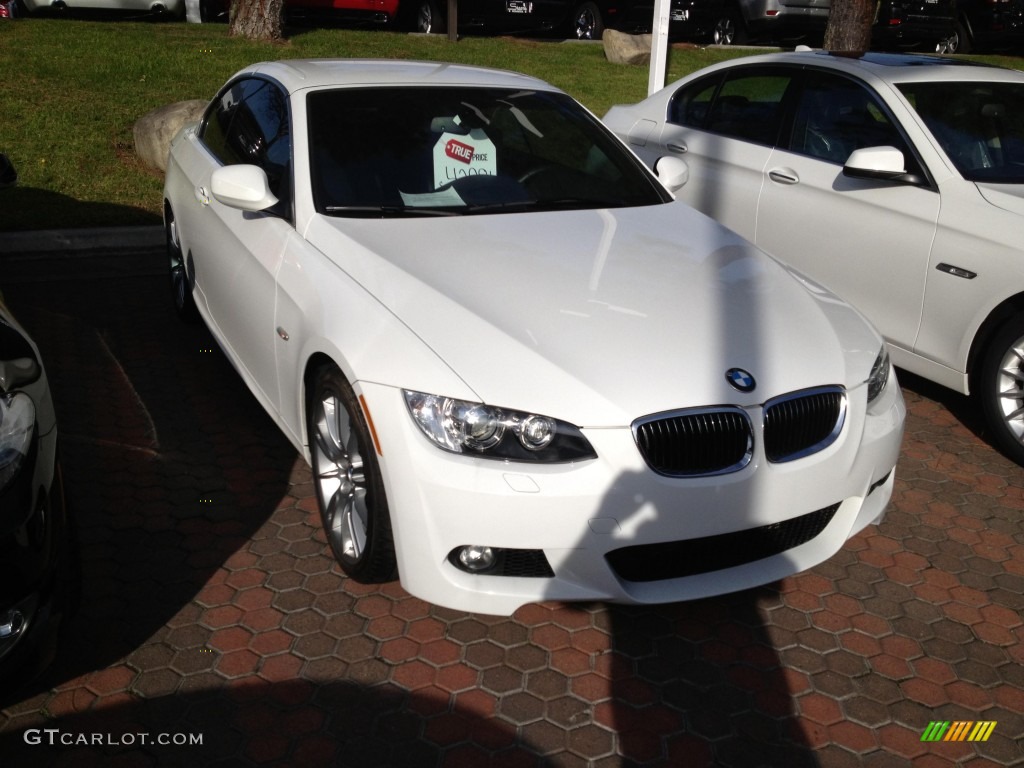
724	127
867	241
238	257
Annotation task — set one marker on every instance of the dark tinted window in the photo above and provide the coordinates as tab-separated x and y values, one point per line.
431	150
743	104
979	125
249	123
835	115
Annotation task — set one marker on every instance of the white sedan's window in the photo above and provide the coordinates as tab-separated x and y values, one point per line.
440	150
979	125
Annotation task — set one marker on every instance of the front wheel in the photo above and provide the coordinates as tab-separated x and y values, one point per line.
1001	389
349	489
181	279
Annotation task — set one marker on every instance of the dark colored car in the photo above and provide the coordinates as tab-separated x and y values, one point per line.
926	24
36	589
916	24
990	25
728	22
580	19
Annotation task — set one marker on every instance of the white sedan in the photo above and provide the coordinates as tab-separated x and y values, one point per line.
518	368
895	180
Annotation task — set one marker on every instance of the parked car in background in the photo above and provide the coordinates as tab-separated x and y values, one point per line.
171	9
895	180
36	592
729	22
372	12
578	19
916	24
990	25
926	24
518	368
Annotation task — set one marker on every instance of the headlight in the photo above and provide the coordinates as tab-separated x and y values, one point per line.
496	433
17	426
879	375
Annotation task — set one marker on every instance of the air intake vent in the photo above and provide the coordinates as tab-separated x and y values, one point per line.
677	559
697	442
803	423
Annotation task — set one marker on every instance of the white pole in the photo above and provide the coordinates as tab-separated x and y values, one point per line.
659	46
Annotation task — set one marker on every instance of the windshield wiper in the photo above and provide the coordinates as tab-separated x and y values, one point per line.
385	211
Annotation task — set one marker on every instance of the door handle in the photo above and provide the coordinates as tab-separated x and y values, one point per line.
677	148
202	196
784	176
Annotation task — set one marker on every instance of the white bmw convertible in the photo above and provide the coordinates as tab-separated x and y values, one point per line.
519	369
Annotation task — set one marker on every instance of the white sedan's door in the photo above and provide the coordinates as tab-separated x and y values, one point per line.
725	175
868	242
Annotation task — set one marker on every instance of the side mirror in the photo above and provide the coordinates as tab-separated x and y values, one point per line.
672	172
242	186
879	164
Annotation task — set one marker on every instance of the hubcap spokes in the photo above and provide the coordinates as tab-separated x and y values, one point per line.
1010	384
341	480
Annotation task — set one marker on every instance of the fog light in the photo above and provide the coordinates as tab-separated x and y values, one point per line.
476	557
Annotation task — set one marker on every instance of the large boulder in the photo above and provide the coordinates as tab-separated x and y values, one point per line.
621	48
153	132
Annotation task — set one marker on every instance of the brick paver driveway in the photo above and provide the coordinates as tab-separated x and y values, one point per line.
211	610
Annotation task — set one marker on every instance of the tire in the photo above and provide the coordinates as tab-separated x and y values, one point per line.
349	489
427	18
587	23
728	31
182	282
963	39
1001	389
950	44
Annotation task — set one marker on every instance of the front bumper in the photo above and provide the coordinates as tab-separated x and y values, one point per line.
577	515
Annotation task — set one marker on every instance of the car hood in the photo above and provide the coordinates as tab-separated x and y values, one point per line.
601	316
1009	197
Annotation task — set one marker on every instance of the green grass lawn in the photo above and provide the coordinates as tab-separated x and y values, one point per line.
74	88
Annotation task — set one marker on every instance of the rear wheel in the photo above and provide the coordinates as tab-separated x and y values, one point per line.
1001	389
349	489
427	18
587	23
950	44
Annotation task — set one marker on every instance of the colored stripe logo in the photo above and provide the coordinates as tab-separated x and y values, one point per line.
958	730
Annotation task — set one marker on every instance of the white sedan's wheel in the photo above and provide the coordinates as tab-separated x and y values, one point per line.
181	282
1002	389
353	508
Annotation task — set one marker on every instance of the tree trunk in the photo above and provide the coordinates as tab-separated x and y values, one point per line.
849	26
257	19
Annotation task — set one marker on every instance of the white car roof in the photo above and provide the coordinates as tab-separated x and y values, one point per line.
891	67
299	74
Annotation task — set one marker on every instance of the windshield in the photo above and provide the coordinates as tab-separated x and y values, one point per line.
980	126
428	151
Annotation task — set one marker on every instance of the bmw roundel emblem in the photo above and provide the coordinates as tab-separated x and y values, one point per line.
740	379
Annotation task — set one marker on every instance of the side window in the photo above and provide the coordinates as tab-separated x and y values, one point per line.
746	104
249	123
690	106
834	116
